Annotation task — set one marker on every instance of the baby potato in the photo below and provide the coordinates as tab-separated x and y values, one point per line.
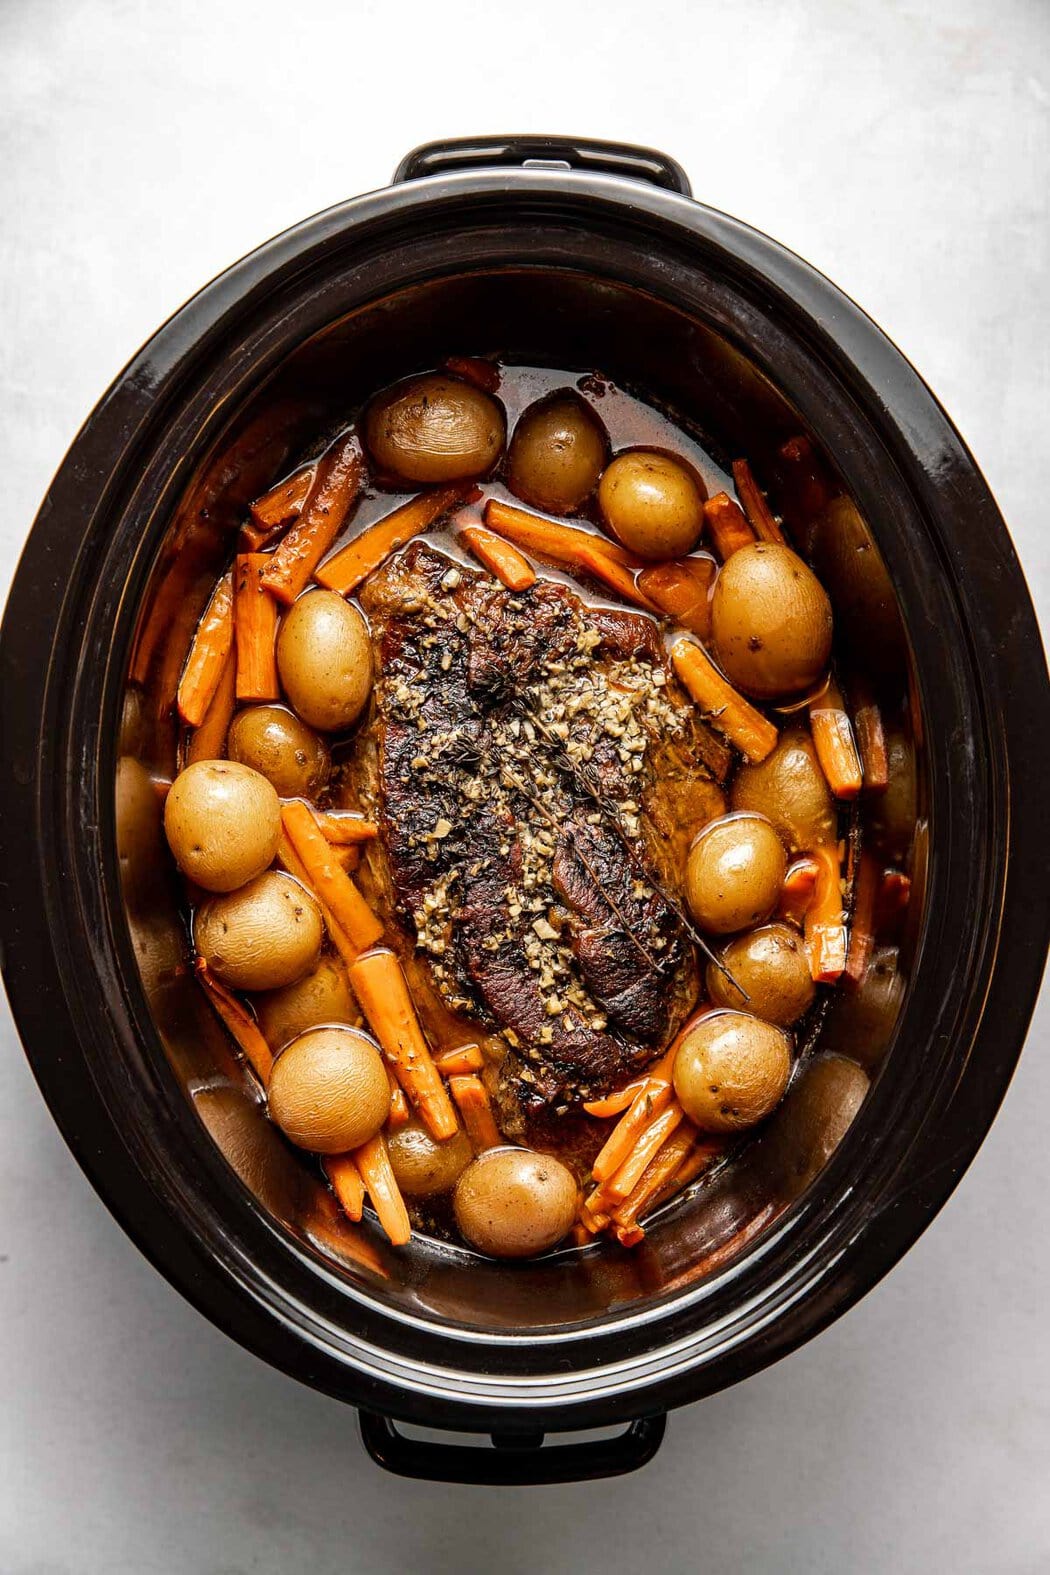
329	1090
652	503
790	789
261	937
557	453
324	658
735	870
771	621
273	741
320	997
893	812
222	821
731	1070
515	1203
435	429
424	1166
770	964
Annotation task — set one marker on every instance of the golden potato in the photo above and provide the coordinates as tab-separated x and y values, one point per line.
321	997
735	870
771	622
557	453
329	1090
515	1203
222	821
893	812
731	1070
274	742
771	965
425	1166
324	658
435	428
262	936
652	503
790	789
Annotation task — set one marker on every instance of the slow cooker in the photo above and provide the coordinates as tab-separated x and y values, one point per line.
573	254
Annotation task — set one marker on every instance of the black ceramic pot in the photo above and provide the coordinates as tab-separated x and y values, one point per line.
577	255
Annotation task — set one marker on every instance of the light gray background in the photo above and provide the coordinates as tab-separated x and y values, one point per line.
902	148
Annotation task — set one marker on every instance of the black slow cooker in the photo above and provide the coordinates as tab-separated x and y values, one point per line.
576	255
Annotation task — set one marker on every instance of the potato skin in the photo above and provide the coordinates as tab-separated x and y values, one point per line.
324	658
734	873
424	1166
653	503
322	996
329	1091
557	453
790	789
435	428
273	741
771	622
770	963
731	1070
262	936
515	1203
222	821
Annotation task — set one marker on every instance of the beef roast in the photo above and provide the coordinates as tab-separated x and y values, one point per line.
538	774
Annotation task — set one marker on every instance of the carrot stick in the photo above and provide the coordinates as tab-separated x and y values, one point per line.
209	739
379	983
834	742
726	710
825	925
344	826
681	590
347	855
871	739
579	1235
726	525
804	477
255	622
336	483
284	502
617	576
796	893
559	544
894	896
346	1183
660	1169
483	374
700	1158
473	1102
373	1162
499	557
754	504
399	1114
207	658
361	557
650	1141
647	1103
862	924
241	1024
455	1063
615	1104
289	858
339	896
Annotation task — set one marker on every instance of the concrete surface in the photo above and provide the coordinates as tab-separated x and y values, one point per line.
904	149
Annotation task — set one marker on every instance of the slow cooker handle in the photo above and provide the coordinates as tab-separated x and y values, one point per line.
518	1459
572	153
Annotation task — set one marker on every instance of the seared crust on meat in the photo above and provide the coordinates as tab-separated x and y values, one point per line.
539	776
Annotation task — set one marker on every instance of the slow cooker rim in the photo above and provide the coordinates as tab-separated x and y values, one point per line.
543	181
